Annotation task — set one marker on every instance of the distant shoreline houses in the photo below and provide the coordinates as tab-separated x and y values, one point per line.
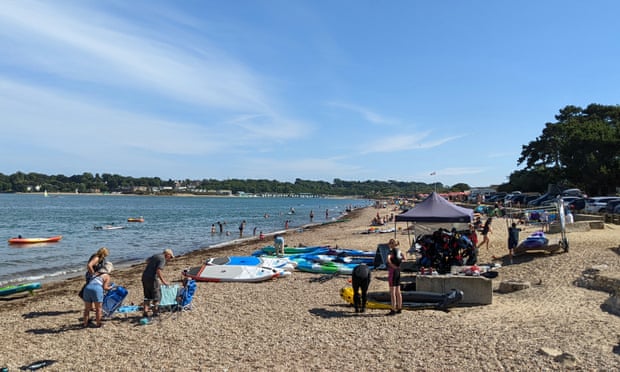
180	191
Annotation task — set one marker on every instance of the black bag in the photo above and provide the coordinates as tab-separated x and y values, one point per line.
81	292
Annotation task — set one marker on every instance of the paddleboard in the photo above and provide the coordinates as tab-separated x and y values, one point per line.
231	273
11	289
324	267
270	250
412	300
273	262
51	239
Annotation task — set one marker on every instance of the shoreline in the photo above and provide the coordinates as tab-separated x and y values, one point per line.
258	326
223	247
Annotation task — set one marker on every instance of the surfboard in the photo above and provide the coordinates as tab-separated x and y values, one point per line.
273	262
412	300
232	273
12	289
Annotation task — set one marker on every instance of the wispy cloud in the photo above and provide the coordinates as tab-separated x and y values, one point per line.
112	53
365	113
405	142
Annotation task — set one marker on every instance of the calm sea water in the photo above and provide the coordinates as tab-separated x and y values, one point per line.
180	223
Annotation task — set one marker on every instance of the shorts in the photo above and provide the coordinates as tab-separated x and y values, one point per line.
152	290
93	293
512	245
394	278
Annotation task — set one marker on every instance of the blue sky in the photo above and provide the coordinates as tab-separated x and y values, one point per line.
284	89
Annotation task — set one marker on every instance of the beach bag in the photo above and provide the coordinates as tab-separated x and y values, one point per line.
81	292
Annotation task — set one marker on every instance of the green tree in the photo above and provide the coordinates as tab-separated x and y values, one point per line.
582	148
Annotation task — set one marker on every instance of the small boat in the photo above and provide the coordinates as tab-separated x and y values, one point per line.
135	219
20	240
109	227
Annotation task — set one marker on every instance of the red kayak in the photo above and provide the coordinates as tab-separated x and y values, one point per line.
51	239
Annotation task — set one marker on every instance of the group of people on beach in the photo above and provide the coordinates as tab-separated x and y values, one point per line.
98	280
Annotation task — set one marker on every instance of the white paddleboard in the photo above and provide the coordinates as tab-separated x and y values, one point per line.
233	273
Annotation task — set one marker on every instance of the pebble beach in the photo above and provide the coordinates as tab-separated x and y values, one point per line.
297	323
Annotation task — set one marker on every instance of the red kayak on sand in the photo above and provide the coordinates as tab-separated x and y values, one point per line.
20	240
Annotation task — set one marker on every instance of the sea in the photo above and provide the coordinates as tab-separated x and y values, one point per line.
183	223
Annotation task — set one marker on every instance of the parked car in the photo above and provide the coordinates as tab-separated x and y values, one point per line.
550	196
541	199
566	199
617	209
578	204
611	205
597	204
495	197
509	197
572	192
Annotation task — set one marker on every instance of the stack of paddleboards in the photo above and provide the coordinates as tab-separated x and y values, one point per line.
321	259
241	269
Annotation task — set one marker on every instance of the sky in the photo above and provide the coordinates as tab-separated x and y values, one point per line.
357	90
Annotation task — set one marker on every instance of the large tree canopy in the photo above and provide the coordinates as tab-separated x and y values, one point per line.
582	149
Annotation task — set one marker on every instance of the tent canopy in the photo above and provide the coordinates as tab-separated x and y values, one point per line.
436	209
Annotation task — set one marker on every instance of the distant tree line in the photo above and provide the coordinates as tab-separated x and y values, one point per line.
581	149
113	183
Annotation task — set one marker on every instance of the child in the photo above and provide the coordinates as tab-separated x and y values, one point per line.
513	239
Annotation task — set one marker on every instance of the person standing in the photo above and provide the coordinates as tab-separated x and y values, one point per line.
513	240
93	293
212	228
544	218
327	214
278	243
241	227
486	230
394	259
311	215
96	262
151	277
360	280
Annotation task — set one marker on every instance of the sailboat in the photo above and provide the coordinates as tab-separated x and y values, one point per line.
45	193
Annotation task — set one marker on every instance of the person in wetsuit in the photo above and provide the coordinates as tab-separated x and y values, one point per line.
360	279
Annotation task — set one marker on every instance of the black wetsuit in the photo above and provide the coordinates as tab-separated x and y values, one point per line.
360	279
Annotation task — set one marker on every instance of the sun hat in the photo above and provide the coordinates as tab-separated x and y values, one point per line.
107	268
